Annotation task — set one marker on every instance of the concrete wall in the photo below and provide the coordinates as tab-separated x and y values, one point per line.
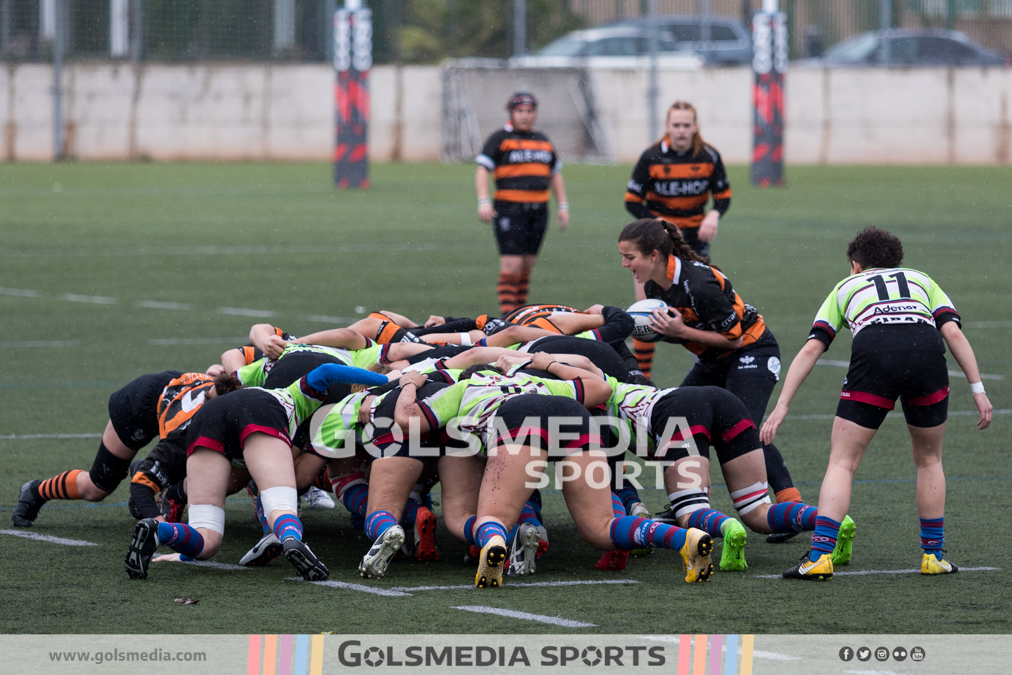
223	112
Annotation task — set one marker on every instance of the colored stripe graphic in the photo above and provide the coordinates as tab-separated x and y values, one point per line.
301	654
716	643
286	655
684	654
747	644
699	656
270	654
316	663
253	665
731	657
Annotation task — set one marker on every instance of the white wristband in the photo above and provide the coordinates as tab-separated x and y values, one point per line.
483	201
563	206
976	387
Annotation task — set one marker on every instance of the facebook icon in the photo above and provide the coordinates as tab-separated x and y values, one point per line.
846	654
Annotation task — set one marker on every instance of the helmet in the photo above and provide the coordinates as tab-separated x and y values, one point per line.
521	98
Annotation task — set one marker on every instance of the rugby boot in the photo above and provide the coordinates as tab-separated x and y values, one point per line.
931	564
490	563
374	564
843	551
27	508
820	570
425	535
696	555
732	553
308	565
267	549
524	551
613	561
143	544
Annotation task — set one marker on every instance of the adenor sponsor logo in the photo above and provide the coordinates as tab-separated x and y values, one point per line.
353	654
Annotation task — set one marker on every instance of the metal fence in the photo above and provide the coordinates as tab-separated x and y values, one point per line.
424	30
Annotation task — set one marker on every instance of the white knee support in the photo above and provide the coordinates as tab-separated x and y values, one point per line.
750	498
208	517
685	502
279	499
465	339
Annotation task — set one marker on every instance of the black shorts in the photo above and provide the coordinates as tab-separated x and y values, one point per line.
600	353
528	420
165	465
761	359
223	423
519	228
714	416
296	365
890	362
385	442
133	410
691	237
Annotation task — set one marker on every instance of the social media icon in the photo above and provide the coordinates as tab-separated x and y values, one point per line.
900	654
863	654
846	654
882	654
916	654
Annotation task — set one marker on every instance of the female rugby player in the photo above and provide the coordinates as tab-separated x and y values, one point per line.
899	318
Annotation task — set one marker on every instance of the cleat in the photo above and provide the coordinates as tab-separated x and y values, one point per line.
490	563
820	570
542	548
613	561
172	510
696	555
780	537
667	516
425	535
265	550
318	499
308	565
524	551
374	564
27	509
142	547
931	564
732	554
472	554
843	550
639	510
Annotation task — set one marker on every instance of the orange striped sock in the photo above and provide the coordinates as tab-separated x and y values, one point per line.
508	288
63	486
644	353
790	494
524	287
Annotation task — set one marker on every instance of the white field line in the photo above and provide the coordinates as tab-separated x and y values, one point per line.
862	573
45	537
758	653
362	588
155	304
526	616
952	413
27	437
955	373
20	292
215	565
168	342
989	324
46	344
93	299
239	311
598	582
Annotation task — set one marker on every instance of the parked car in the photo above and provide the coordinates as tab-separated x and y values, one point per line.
730	42
609	47
907	47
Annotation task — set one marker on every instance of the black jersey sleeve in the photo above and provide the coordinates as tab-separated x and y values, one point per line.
713	308
490	156
617	325
719	185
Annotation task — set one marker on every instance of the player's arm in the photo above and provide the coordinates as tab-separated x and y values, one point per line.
233	360
407	403
595	390
559	190
635	192
341	338
670	324
800	368
267	339
721	190
486	162
963	353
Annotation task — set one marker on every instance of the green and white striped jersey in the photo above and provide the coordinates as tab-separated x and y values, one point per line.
337	432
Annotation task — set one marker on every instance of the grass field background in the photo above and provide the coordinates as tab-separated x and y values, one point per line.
89	251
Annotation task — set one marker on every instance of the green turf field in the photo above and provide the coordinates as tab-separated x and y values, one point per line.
90	251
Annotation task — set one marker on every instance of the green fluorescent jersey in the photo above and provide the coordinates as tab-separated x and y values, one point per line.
882	297
474	402
337	431
634	405
255	374
299	405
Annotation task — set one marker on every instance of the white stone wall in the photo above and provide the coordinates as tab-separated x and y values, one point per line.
247	112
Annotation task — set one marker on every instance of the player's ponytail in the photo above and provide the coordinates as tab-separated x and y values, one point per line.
653	234
679	247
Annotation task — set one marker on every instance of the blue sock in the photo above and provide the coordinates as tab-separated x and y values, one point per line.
933	535
469	530
258	508
488	530
618	508
709	521
824	537
378	523
535	502
410	512
792	517
356	498
288	527
181	538
629	496
631	532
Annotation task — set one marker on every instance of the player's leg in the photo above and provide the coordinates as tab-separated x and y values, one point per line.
461	476
927	449
390	483
535	224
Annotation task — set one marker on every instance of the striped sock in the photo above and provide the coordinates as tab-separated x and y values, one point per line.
258	509
629	532
181	538
628	495
824	537
356	498
469	530
288	526
509	285
617	507
644	353
378	523
523	286
63	486
709	521
792	517
790	494
933	535
488	530
529	515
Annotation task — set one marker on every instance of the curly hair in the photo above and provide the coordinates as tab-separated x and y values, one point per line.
226	383
873	247
654	234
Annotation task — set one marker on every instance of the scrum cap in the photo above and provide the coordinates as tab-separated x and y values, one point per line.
521	98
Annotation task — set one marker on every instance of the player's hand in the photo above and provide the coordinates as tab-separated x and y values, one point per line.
486	213
412	377
563	218
708	228
507	361
393	375
668	324
776	418
986	410
273	347
365	410
215	370
594	309
435	321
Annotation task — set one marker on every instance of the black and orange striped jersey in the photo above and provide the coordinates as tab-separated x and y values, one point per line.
528	313
522	164
675	186
707	301
180	401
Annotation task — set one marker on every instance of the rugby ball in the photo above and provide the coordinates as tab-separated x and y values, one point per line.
640	312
